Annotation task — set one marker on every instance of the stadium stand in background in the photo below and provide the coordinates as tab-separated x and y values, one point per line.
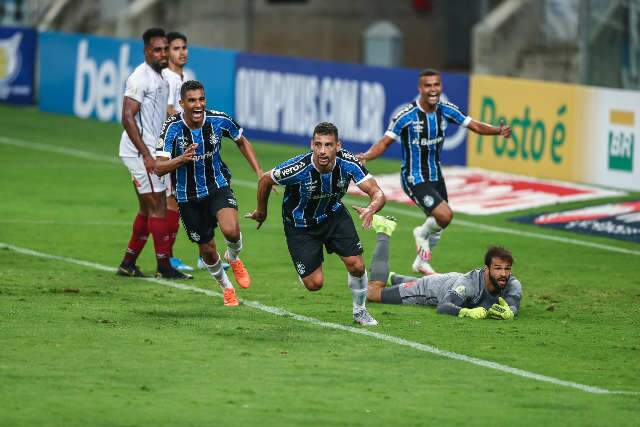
558	40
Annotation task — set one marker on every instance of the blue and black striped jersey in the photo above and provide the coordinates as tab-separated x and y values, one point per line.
311	197
422	136
207	172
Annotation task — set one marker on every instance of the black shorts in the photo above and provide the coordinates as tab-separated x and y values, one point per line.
338	234
427	195
199	216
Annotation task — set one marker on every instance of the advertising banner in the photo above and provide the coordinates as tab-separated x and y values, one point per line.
86	75
611	128
481	192
282	99
542	117
17	64
616	220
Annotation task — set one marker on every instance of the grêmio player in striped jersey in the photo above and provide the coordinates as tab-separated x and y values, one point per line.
189	147
314	216
419	126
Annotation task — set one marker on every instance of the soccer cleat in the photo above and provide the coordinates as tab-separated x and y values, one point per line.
172	274
422	266
363	317
179	265
203	266
129	271
241	274
229	298
422	245
390	278
384	224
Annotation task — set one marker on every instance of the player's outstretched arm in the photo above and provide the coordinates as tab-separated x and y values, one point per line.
452	304
265	184
486	129
164	165
371	188
131	107
247	151
376	149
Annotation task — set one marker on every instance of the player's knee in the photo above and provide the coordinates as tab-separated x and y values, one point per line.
356	268
313	284
444	218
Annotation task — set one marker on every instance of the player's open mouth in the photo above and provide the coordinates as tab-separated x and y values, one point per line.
197	114
433	96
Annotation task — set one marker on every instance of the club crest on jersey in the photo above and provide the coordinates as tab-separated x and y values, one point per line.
300	268
460	290
342	184
428	201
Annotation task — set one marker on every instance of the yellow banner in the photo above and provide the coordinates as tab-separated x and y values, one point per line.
542	117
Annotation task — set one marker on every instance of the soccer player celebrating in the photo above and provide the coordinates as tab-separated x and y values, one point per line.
490	291
419	126
189	144
144	109
314	216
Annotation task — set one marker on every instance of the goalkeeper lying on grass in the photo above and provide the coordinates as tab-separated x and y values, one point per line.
487	292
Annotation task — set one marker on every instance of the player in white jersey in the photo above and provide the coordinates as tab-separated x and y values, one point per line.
144	109
419	127
175	74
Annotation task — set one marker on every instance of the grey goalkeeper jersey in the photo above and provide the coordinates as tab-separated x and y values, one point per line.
452	291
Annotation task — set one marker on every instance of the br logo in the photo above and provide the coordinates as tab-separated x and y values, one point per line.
300	268
9	57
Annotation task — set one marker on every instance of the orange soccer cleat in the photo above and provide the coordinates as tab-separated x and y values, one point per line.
241	274
229	298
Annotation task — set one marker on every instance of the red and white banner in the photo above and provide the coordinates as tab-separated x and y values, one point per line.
481	192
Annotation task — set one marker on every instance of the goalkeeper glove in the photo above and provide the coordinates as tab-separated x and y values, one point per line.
474	313
501	311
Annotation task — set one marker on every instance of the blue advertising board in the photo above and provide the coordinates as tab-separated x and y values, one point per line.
281	99
86	75
17	64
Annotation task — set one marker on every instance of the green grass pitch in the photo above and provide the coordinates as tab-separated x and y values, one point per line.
80	346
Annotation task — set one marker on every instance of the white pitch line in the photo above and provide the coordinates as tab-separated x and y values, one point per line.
388	338
403	211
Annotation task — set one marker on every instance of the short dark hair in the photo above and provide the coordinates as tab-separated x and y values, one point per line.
151	33
189	85
326	128
174	35
497	252
429	72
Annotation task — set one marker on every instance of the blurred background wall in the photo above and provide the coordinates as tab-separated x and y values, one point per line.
575	41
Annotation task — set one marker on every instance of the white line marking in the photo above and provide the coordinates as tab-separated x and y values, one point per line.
403	211
388	338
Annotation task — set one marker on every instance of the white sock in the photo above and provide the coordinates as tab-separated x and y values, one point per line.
234	248
429	227
434	239
358	287
218	273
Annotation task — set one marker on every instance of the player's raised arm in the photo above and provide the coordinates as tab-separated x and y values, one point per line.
265	184
376	149
487	129
371	188
131	107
